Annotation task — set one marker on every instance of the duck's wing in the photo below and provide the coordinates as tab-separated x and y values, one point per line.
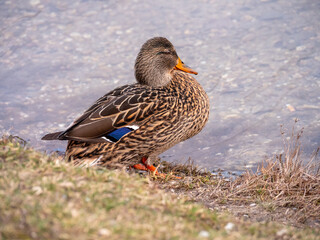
114	115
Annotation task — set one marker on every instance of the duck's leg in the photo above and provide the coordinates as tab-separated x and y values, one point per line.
145	167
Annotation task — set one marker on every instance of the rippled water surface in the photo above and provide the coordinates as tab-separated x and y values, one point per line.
259	62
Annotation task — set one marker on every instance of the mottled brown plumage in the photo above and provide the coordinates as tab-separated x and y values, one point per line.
165	107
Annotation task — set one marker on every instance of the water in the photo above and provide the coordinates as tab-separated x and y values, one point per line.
259	62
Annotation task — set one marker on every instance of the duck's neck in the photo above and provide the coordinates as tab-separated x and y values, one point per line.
153	75
155	80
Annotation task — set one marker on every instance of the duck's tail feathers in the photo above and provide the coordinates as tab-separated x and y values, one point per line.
52	136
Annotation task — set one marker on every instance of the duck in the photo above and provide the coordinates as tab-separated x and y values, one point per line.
132	124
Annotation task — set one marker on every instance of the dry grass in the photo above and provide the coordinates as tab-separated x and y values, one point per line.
283	181
282	185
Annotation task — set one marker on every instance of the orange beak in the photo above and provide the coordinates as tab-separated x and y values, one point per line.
181	66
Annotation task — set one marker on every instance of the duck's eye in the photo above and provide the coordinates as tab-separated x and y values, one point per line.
166	51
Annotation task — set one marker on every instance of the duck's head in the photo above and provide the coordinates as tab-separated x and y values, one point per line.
156	62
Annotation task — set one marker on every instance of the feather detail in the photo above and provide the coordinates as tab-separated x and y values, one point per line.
127	106
52	136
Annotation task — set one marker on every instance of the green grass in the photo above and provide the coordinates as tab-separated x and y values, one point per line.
42	197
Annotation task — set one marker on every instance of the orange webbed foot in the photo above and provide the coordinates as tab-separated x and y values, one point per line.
140	167
154	170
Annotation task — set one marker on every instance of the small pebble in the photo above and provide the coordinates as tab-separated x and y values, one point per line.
104	232
229	227
282	232
204	234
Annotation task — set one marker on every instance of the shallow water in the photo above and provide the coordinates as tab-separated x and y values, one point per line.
259	62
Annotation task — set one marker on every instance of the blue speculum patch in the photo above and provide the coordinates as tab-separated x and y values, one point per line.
118	133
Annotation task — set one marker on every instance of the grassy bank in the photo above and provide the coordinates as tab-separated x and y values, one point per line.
43	197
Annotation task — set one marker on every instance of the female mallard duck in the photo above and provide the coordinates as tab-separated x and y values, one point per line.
134	123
